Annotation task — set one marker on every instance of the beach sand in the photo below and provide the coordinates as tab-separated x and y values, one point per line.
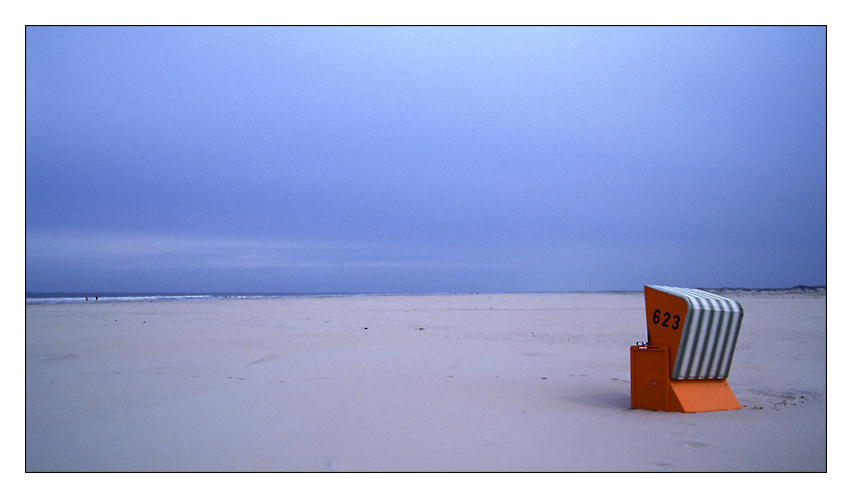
508	382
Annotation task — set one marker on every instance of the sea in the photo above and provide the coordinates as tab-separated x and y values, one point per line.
118	297
122	297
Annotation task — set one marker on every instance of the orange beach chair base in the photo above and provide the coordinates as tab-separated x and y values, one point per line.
652	388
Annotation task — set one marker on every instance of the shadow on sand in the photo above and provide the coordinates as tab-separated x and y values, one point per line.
609	400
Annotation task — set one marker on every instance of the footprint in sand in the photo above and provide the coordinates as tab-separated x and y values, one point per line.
265	359
269	357
56	357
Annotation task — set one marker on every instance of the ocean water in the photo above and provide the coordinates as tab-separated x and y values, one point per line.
116	297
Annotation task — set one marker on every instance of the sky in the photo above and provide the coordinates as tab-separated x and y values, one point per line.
424	159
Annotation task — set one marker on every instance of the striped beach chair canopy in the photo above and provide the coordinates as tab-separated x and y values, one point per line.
708	336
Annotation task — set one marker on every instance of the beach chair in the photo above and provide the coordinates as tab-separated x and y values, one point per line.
684	365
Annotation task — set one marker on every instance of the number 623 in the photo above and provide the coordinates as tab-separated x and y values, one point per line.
666	318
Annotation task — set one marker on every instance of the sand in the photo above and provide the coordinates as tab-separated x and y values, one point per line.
461	383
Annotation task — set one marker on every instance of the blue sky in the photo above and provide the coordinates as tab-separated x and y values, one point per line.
424	159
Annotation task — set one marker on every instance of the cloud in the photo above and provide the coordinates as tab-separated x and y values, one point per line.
375	158
117	250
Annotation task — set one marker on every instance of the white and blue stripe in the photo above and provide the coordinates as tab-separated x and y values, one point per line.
709	335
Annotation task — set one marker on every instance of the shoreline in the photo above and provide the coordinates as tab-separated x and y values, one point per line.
37	298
